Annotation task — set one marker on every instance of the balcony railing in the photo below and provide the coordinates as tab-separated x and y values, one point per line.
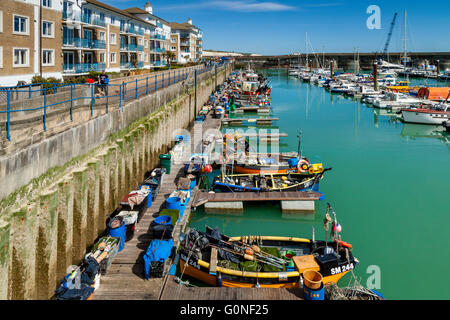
159	25
126	65
141	32
128	47
84	43
83	67
140	48
99	22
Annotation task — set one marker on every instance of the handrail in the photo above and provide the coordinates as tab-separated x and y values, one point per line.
124	92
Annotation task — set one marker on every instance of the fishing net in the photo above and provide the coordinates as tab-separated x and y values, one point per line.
355	292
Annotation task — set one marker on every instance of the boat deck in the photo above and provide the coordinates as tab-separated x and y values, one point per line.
174	291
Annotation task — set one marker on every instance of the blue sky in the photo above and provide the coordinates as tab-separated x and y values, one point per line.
279	27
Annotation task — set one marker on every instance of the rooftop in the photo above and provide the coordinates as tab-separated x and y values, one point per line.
116	10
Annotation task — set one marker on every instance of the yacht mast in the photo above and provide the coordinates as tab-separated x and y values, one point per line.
306	44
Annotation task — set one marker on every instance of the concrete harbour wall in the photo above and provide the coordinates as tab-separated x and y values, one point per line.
78	177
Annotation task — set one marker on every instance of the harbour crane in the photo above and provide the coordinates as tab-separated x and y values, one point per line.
388	41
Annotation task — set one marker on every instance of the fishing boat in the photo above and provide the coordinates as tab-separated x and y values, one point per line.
435	115
263	261
268	182
446	125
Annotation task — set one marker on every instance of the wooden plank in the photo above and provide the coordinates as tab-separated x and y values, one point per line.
213	261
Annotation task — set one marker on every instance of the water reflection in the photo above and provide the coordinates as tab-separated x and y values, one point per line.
414	131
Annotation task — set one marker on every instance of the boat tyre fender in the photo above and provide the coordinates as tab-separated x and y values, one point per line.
344	244
303	166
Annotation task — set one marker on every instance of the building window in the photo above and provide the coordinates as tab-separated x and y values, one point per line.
20	57
20	24
140	42
113	20
1	21
47	29
174	40
47	57
146	43
113	57
1	57
102	57
102	36
174	48
113	38
47	3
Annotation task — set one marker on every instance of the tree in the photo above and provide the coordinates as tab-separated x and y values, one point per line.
169	56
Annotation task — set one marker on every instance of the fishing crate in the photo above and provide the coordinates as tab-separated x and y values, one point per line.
106	263
156	269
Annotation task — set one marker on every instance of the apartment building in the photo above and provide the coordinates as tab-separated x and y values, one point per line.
186	42
30	33
66	38
100	37
160	37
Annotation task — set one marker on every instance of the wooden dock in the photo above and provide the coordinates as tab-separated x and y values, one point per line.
241	121
174	291
203	197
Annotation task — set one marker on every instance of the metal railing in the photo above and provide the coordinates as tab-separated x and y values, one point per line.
53	95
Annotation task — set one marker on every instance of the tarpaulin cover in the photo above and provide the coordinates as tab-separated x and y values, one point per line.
158	250
434	93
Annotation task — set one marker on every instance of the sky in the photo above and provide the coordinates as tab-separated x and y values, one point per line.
276	27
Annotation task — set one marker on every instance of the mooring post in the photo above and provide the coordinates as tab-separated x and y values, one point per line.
146	91
156	82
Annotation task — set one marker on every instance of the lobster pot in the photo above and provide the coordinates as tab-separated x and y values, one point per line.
156	269
310	294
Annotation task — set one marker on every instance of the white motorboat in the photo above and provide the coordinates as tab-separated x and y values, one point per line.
436	115
395	100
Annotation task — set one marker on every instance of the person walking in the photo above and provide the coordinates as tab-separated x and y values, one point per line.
103	81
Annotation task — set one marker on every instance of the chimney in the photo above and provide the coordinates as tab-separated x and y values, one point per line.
148	7
190	21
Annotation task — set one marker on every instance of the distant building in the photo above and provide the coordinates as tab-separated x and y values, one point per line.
160	37
186	42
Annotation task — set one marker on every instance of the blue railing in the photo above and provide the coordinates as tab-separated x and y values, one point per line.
111	94
140	48
140	32
126	65
86	18
141	64
99	22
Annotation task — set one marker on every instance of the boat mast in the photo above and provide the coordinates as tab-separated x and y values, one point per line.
405	53
306	45
299	151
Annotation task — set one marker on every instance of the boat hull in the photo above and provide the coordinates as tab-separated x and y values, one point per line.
266	170
425	117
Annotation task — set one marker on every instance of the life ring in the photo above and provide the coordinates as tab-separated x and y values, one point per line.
311	170
344	244
303	166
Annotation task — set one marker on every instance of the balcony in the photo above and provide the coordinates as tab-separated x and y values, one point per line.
83	67
126	65
83	43
99	22
141	32
140	48
128	47
159	25
140	64
185	44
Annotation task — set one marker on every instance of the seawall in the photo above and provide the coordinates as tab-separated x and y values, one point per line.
77	178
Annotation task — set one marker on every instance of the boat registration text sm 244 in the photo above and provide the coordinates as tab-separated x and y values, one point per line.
341	269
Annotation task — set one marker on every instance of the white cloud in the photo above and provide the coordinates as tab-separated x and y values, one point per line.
235	5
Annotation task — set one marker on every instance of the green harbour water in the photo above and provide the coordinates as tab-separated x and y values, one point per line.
389	188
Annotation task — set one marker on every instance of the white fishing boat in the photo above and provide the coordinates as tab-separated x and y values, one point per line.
445	76
395	100
436	115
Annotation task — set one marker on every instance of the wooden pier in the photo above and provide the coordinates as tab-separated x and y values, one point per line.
203	197
174	291
241	121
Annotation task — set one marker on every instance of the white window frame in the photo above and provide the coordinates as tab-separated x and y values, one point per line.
1	21
145	43
27	57
100	35
111	39
1	57
146	57
100	57
49	4
113	54
27	25
52	29
52	63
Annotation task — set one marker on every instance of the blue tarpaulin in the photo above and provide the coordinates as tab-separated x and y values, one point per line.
158	250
